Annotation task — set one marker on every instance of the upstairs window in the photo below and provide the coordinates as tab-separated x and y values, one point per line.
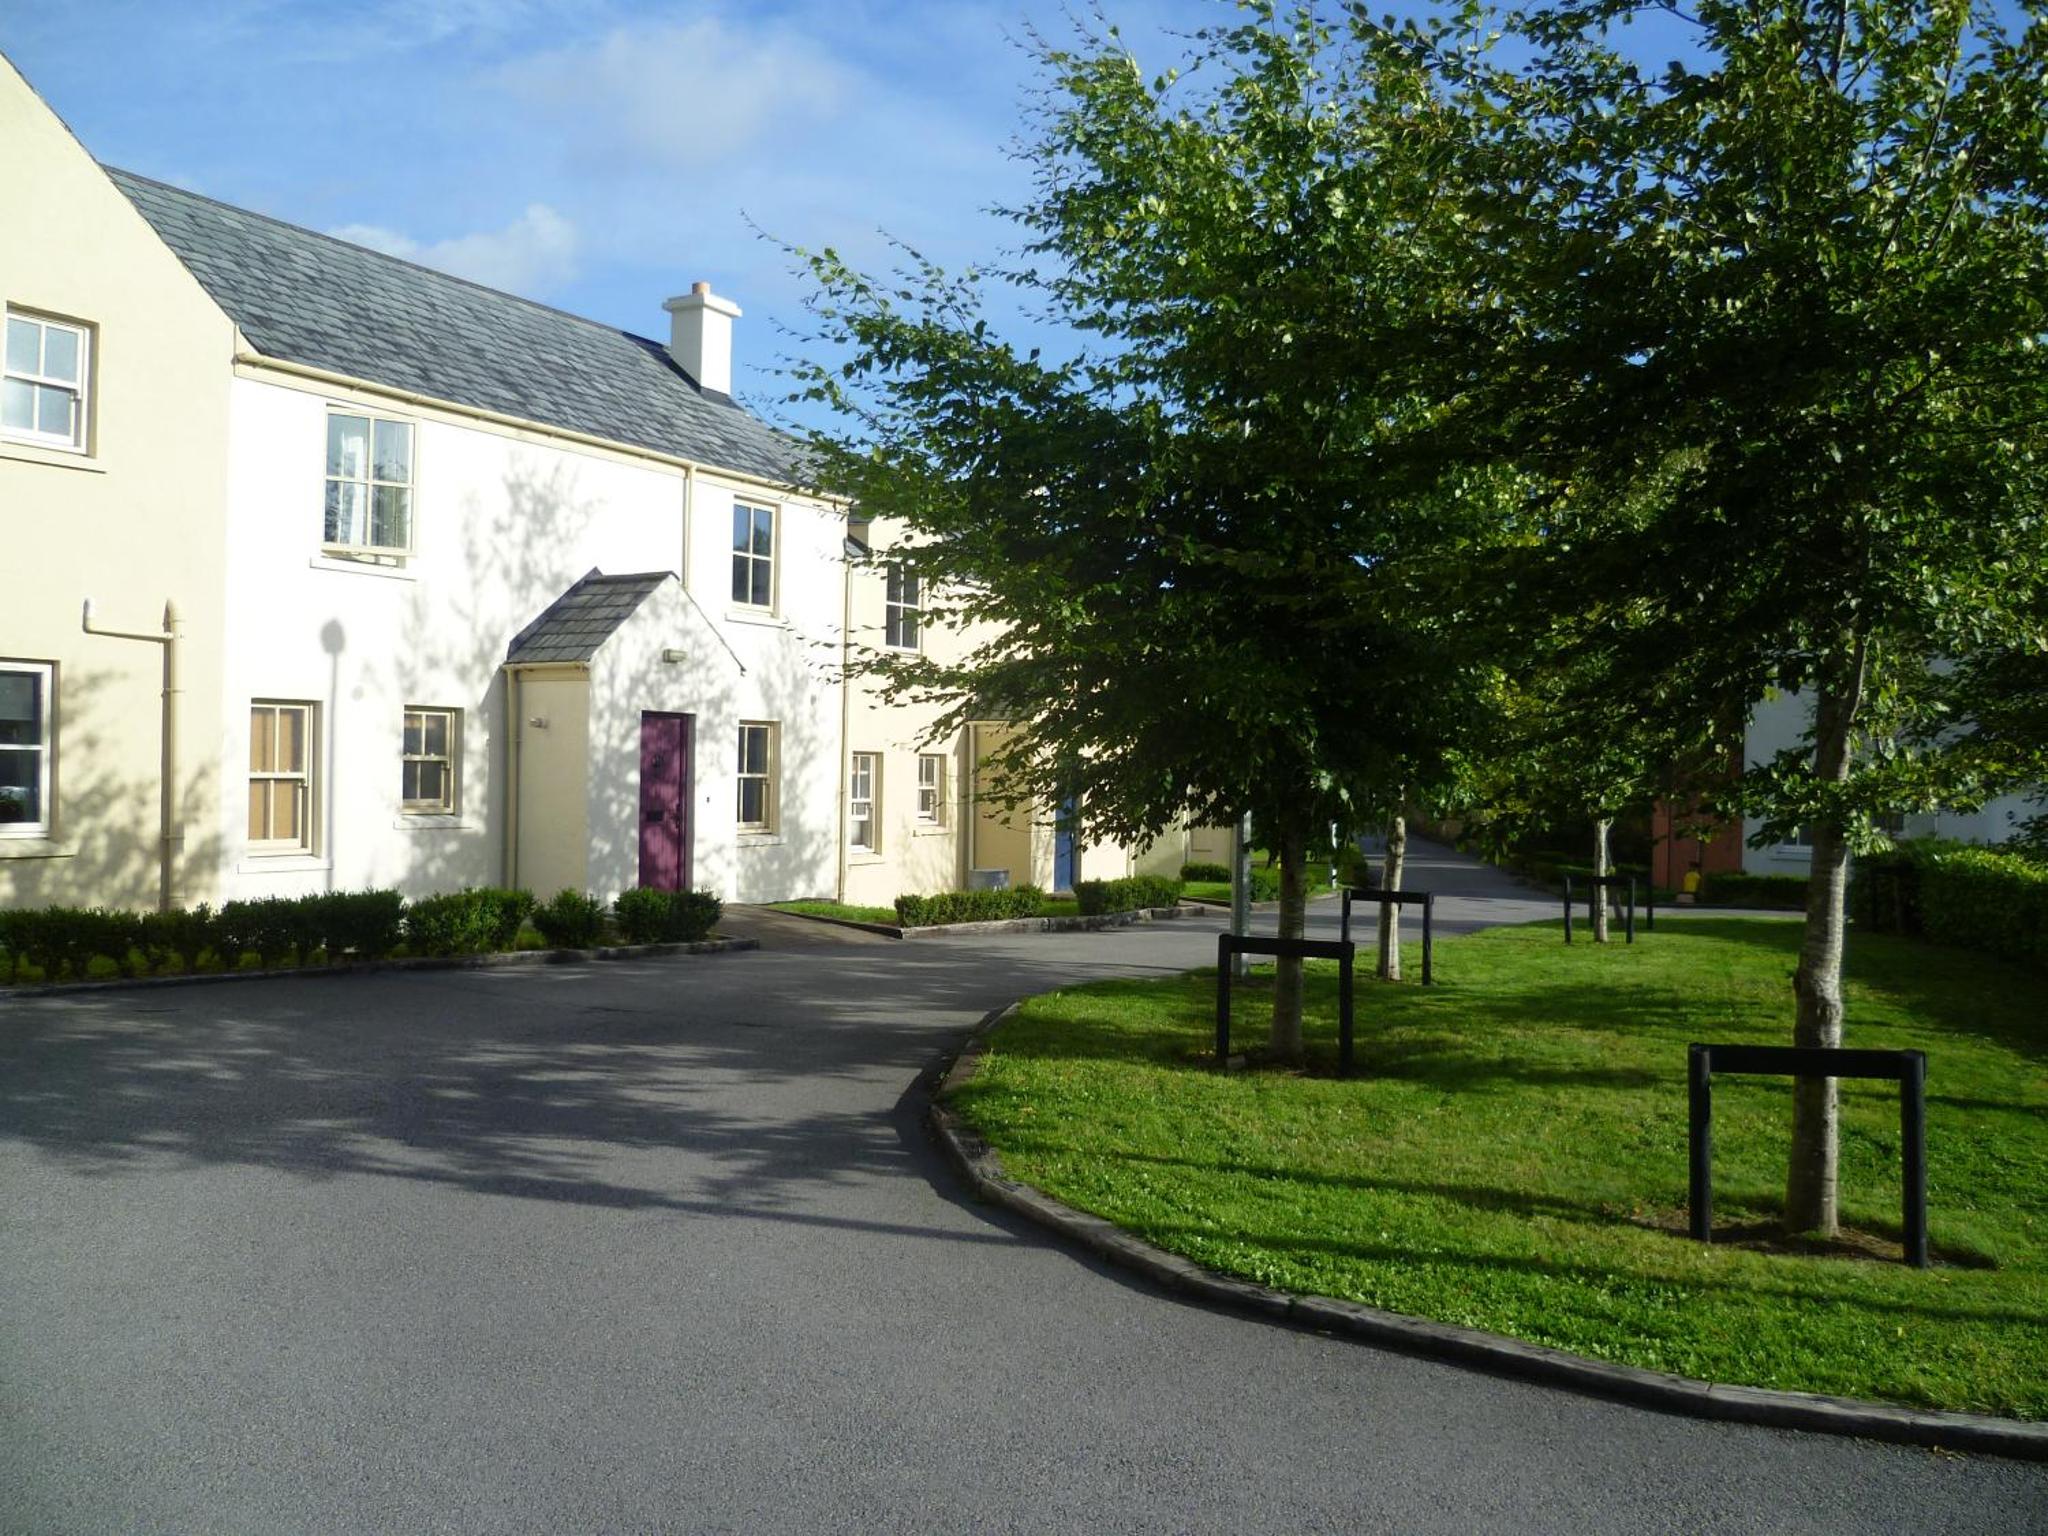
903	608
43	382
753	556
369	485
24	749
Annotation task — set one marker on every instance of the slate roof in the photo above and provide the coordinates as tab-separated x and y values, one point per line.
309	298
584	617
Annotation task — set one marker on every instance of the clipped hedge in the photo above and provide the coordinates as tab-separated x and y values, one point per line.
1127	895
570	920
467	922
943	907
1207	873
1785	893
667	917
1952	893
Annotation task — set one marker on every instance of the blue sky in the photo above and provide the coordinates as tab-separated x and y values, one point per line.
599	155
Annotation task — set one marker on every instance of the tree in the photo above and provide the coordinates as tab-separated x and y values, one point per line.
1783	309
1214	571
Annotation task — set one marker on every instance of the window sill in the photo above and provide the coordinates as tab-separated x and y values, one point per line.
434	823
763	618
862	857
361	568
760	839
16	846
282	864
56	458
939	831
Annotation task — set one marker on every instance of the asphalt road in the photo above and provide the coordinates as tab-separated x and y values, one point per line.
662	1246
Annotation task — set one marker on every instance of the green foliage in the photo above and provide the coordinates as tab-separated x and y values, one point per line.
273	928
367	924
667	917
1205	872
176	940
1734	889
945	907
570	920
1949	893
63	941
1130	894
467	922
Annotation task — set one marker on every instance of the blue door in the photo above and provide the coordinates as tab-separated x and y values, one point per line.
1063	847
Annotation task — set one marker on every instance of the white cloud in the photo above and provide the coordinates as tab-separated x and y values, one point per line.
679	95
532	254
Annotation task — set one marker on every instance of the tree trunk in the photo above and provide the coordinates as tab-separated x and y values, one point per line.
1390	916
1602	865
1810	1204
1285	1042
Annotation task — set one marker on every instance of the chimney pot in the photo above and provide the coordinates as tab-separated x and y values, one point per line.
700	336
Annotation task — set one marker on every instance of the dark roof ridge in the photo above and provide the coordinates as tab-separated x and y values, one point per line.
417	266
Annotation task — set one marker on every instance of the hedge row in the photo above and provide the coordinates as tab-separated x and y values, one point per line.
1100	896
368	925
1206	873
1952	893
968	906
1733	889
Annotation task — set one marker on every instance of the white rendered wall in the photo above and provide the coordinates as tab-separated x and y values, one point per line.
503	522
1781	720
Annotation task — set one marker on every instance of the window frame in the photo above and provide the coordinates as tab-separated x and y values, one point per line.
307	775
450	803
900	613
773	511
936	789
44	747
80	439
767	777
370	484
869	763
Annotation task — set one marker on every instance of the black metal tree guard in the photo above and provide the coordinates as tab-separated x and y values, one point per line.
1385	898
1907	1068
1342	951
1595	885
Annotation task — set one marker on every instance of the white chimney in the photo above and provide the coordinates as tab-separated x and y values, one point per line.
700	336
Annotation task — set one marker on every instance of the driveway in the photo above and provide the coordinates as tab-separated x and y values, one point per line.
662	1245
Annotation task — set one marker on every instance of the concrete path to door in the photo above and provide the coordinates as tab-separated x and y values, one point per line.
663	1246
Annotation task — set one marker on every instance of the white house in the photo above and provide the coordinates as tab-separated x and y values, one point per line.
361	482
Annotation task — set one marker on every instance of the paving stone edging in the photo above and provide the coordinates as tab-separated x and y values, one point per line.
1091	924
983	1169
515	957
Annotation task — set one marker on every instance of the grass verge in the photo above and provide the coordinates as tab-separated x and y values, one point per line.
1052	906
1512	1155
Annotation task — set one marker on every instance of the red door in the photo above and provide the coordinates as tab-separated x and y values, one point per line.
664	801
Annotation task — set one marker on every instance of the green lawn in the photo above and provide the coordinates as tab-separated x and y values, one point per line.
1063	906
1512	1154
838	909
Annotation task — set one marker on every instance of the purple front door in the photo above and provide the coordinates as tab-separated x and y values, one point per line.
664	801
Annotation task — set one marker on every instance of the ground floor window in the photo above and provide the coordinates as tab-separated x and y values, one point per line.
860	802
427	755
24	748
757	776
931	789
281	776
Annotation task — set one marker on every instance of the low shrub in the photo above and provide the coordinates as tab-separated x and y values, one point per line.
367	924
1127	895
1207	873
943	907
570	920
467	922
181	936
1956	894
667	917
273	928
1776	892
